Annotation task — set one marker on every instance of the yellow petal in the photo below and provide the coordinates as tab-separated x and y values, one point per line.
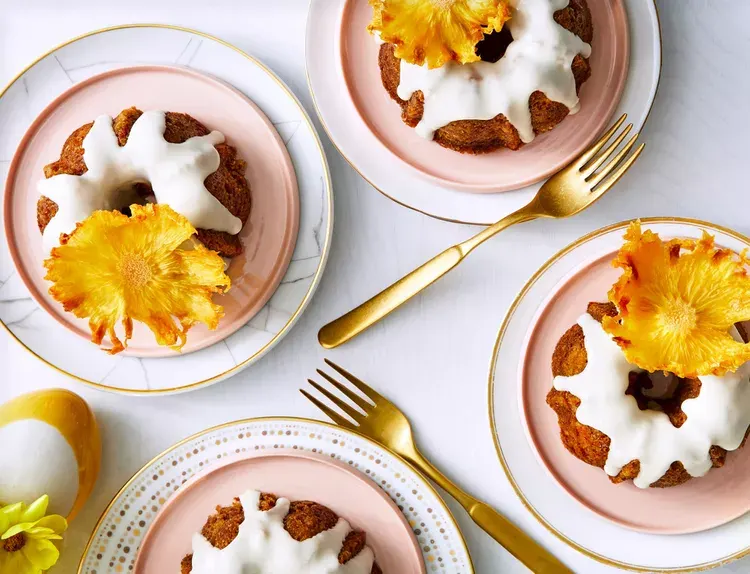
15	529
13	512
16	563
437	31
49	537
145	273
36	509
53	522
41	553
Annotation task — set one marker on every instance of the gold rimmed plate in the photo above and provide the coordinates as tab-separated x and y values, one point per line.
123	525
401	182
268	238
555	492
79	60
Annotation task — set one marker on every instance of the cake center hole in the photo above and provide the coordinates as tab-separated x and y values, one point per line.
663	392
493	46
663	386
134	192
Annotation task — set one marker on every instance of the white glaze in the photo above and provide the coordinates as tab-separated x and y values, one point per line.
719	415
176	173
80	60
262	546
539	58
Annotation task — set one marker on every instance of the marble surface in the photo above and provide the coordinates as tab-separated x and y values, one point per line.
432	357
90	56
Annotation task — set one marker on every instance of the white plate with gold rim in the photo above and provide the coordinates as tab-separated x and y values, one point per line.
548	500
113	546
103	50
406	185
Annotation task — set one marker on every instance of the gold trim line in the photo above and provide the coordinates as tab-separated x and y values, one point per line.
509	315
177	445
323	255
448	219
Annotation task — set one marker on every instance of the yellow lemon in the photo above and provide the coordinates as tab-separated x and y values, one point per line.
50	445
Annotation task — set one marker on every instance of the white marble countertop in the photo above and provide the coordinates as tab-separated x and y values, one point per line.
431	357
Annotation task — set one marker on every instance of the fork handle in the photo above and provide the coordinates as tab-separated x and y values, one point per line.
516	541
373	310
532	554
370	312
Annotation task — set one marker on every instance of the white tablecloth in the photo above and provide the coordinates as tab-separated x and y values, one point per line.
432	356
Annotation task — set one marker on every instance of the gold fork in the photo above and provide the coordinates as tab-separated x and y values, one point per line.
566	193
383	422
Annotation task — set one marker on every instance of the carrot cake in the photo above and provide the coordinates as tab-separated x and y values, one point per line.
526	83
272	534
168	156
607	418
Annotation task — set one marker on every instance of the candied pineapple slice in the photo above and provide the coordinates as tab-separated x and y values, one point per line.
677	302
437	31
114	268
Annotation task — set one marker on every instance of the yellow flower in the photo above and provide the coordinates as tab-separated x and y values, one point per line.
677	302
116	268
26	535
437	31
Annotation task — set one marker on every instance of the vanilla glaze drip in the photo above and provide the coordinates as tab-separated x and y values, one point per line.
719	415
262	546
176	173
539	58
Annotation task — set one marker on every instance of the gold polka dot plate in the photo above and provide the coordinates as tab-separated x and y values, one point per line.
157	511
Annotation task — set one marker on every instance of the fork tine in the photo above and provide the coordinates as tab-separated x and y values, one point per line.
353	413
366	390
608	169
359	401
590	170
604	187
590	154
333	415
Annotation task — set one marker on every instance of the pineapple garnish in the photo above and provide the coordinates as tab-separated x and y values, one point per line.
437	31
114	268
677	302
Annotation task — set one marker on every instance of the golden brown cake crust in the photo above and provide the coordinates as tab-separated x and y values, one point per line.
304	520
483	136
227	184
592	446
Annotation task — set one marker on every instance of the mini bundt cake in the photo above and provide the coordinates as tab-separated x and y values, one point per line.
304	521
227	183
592	446
477	136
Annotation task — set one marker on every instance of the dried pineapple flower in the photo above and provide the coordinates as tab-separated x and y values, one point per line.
117	268
677	302
437	31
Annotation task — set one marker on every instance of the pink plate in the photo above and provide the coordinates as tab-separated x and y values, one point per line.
502	170
702	503
268	237
296	476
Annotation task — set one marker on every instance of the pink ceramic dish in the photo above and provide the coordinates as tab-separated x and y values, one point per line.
701	503
268	237
501	170
293	475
